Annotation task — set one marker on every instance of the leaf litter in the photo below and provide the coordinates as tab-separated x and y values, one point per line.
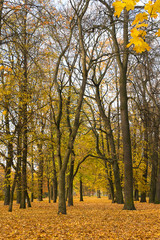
92	219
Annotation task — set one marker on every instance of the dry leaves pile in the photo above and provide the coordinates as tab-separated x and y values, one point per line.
92	219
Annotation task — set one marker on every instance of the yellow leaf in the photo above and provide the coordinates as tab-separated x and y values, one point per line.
152	8
4	112
142	25
118	6
129	4
158	33
140	17
1	68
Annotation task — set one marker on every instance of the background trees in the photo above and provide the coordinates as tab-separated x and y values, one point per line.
73	95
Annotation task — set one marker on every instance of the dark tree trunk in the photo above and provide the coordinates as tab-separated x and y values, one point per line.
98	194
24	112
152	196
122	61
28	199
40	173
8	160
49	195
12	191
32	178
145	152
55	187
157	196
54	180
61	193
143	197
128	172
70	183
81	191
107	123
153	181
109	177
136	195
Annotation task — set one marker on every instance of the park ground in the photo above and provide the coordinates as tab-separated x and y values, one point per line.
92	219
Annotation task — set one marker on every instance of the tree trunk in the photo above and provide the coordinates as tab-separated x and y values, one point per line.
61	193
98	194
9	158
107	123
32	178
24	111
55	187
40	173
81	190
145	151
109	177
153	184
70	183
136	195
157	196
12	191
49	195
128	172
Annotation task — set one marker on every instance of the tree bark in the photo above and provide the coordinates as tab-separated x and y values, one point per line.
70	183
61	193
81	190
107	123
24	111
154	162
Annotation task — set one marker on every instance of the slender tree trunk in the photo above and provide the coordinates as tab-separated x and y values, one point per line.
136	195
55	189
153	184
48	186
81	190
40	174
32	177
12	191
9	158
70	185
55	184
24	112
107	123
98	193
109	177
61	193
157	158
145	153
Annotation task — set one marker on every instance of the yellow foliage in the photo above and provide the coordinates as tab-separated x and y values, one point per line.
158	33
138	36
153	8
120	5
4	112
140	17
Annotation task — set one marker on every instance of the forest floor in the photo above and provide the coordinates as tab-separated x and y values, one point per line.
92	219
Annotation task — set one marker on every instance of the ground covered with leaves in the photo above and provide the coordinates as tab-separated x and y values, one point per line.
92	219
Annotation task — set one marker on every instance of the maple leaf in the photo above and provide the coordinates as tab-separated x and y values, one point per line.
150	7
137	40
130	4
119	6
140	17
